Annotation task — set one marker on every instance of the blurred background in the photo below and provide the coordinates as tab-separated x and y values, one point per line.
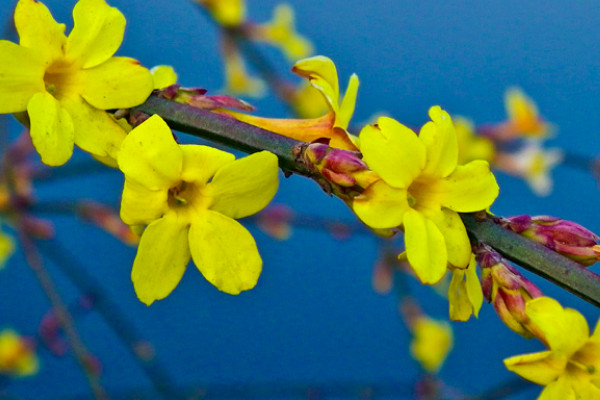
314	320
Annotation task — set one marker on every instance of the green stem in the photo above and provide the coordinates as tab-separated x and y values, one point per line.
536	258
248	138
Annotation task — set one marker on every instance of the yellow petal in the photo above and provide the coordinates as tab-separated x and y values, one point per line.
51	129
455	235
541	368
225	253
469	188
141	206
565	330
7	248
425	247
381	206
431	343
560	390
161	259
460	307
38	30
201	162
97	32
119	82
440	141
245	186
344	114
393	151
95	131
474	290
150	156
322	74
21	76
163	76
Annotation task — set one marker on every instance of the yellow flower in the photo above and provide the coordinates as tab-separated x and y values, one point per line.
470	145
65	83
431	343
523	116
229	13
423	189
464	293
570	369
281	32
322	75
17	356
189	196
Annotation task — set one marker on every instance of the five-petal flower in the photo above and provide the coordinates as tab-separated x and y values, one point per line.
65	83
189	197
423	189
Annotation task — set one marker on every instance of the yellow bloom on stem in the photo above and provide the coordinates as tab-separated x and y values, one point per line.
431	343
465	296
422	189
237	79
189	196
570	369
65	83
17	355
523	115
322	75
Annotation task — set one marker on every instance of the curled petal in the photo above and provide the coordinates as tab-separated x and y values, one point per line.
225	252
21	76
541	368
565	330
471	187
381	206
97	32
38	30
474	290
51	129
141	206
161	259
455	235
425	247
393	151
439	137
150	156
119	82
344	114
245	186
322	74
200	163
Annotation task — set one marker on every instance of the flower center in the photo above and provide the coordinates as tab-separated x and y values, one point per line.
188	196
61	78
420	195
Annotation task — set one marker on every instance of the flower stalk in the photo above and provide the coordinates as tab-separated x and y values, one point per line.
241	136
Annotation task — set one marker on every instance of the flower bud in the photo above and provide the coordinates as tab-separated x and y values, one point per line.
565	237
508	291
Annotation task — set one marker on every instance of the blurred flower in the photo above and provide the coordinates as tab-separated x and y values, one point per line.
322	75
565	237
431	343
471	146
229	13
570	368
531	162
237	80
17	355
189	196
523	116
275	221
281	32
7	248
163	76
423	189
464	293
508	290
64	84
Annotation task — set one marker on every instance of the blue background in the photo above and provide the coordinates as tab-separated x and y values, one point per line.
314	317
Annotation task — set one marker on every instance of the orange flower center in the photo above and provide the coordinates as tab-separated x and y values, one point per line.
61	78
